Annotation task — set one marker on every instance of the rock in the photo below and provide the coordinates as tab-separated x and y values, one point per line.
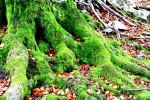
108	30
141	56
128	6
118	25
83	11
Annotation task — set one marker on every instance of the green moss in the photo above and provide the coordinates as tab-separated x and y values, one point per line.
81	92
95	72
43	46
76	72
81	77
66	59
53	97
52	30
48	78
87	17
108	88
88	51
99	24
125	63
145	95
144	78
3	97
46	75
61	82
43	66
147	62
16	65
2	57
117	50
105	86
1	36
96	94
89	20
67	10
105	70
32	69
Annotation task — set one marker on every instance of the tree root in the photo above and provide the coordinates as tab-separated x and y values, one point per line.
99	51
16	65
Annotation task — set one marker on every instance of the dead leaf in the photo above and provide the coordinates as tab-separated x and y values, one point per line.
1	45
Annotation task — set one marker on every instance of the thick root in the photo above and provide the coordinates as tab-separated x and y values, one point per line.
65	57
131	67
95	49
16	65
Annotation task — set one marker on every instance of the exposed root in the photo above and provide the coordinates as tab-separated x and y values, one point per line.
16	65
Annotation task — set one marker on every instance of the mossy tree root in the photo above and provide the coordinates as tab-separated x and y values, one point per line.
54	34
94	48
16	65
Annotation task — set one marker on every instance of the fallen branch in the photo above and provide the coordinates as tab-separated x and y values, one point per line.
146	8
138	89
148	34
105	25
115	8
97	15
114	12
146	37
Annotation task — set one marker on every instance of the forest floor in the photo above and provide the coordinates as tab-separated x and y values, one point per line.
130	39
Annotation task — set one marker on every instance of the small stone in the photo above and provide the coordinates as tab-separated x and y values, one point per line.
108	30
118	25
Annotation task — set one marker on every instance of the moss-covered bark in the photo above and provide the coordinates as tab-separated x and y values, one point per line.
60	23
16	65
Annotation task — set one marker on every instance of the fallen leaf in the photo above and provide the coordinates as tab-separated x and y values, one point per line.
1	45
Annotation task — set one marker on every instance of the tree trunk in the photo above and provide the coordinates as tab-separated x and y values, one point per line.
35	25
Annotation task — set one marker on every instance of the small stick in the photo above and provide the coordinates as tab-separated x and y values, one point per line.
106	26
97	15
114	12
139	89
142	37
